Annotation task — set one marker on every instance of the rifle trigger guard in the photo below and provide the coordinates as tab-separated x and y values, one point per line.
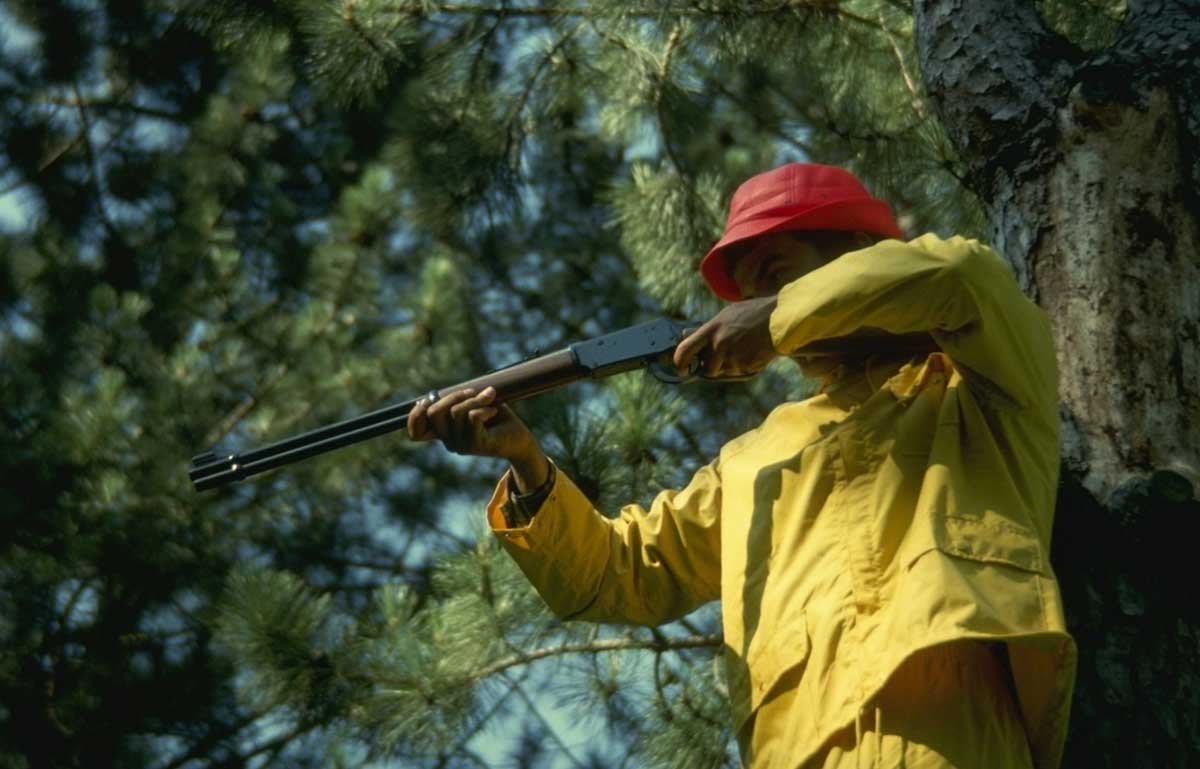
666	373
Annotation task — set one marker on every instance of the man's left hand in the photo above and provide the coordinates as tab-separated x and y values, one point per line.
734	342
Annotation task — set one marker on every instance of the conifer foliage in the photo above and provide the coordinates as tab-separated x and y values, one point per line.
228	221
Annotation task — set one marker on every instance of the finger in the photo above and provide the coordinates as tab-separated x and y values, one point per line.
479	417
465	436
418	422
460	410
691	345
721	358
713	364
467	432
439	412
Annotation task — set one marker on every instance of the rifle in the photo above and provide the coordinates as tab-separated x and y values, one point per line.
647	344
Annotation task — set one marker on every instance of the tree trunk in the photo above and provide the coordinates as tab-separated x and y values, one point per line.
1089	168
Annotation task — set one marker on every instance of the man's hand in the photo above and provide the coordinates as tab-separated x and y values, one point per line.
734	342
467	422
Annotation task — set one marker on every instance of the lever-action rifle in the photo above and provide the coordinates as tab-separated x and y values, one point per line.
647	344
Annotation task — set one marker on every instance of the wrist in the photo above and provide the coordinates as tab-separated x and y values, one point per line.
530	469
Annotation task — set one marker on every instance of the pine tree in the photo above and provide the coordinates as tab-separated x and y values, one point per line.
241	220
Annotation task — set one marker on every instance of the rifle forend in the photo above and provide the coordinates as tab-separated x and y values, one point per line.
647	344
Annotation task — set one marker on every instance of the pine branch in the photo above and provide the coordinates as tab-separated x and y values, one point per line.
773	129
111	105
50	160
352	22
474	757
397	568
69	609
661	77
467	734
829	123
562	12
562	745
245	406
277	744
485	41
79	104
918	104
205	746
532	299
664	73
691	441
244	325
600	645
660	684
97	182
514	116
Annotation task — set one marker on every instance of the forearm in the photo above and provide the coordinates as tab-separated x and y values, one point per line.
644	567
957	291
524	497
530	469
896	287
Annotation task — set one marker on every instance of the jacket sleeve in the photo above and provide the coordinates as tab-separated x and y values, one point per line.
644	567
959	291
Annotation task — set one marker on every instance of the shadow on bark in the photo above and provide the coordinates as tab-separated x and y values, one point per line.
1129	585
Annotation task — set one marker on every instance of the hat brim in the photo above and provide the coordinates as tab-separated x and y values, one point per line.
865	214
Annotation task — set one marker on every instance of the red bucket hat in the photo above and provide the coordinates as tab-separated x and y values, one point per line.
797	196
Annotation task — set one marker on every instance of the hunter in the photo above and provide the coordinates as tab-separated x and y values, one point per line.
881	549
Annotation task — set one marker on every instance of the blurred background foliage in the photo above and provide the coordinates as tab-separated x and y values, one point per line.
227	221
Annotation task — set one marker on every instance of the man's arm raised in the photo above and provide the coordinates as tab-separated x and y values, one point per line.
647	566
959	291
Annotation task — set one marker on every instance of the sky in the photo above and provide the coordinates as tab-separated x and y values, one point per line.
15	205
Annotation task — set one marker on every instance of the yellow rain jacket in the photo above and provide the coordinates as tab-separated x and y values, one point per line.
908	504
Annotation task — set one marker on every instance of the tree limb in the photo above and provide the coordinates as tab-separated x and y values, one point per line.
660	87
600	645
112	105
918	104
516	135
97	179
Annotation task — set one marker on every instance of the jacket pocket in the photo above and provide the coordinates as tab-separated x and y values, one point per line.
773	660
994	540
997	540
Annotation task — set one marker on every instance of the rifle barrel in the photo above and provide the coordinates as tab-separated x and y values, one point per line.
512	383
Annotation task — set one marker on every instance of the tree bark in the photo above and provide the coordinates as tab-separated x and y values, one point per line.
1089	169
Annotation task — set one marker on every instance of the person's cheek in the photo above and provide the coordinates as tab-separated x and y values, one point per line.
743	275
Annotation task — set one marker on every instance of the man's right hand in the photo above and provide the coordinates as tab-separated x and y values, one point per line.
469	422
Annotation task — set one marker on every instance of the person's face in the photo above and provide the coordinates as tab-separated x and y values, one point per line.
765	264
